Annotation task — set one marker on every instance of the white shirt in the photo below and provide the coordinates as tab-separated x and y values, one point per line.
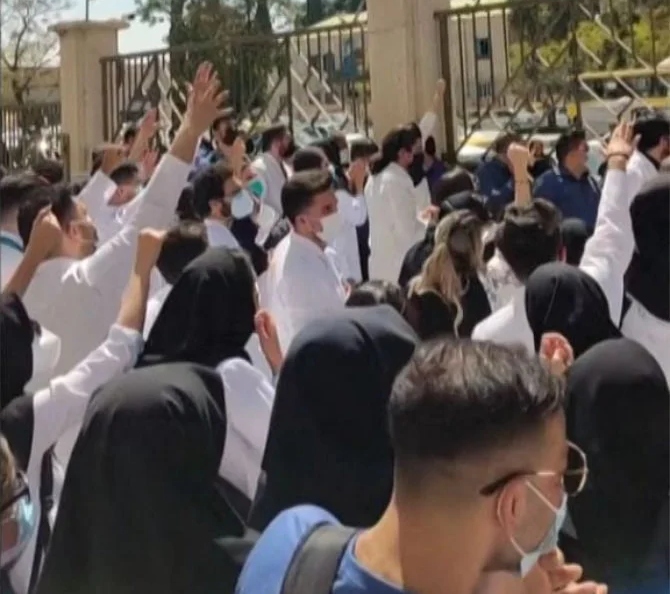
61	406
302	285
500	282
353	212
606	258
639	171
218	235
78	300
11	254
249	399
274	176
651	332
154	306
95	196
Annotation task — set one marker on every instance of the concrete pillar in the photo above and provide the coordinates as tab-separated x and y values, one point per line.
82	44
404	55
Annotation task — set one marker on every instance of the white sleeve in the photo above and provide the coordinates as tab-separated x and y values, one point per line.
608	252
110	265
427	125
94	197
402	205
62	404
352	208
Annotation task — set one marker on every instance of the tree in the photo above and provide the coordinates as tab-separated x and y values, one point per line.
27	44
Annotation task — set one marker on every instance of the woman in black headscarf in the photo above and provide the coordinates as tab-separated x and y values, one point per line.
328	443
17	332
564	299
208	316
142	509
574	235
618	412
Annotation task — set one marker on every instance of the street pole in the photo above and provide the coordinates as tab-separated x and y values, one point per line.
88	9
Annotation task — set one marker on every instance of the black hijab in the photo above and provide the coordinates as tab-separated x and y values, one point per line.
208	316
328	443
140	509
564	299
574	235
17	331
618	410
648	277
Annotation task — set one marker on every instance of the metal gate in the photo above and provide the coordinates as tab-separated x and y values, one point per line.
316	81
541	66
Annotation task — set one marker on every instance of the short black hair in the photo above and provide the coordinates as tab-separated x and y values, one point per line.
430	147
453	182
18	188
62	204
651	126
129	134
50	170
378	292
363	149
271	135
226	118
125	173
307	158
183	243
186	204
530	235
503	142
568	142
299	192
208	185
457	398
279	230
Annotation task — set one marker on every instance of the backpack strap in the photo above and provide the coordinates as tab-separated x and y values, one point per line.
314	566
44	528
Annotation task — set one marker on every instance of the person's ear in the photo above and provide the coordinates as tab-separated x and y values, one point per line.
511	506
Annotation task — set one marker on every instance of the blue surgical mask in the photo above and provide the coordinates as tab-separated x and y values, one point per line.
25	517
550	541
241	205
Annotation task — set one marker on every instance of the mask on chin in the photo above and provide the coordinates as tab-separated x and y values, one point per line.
46	349
416	171
24	515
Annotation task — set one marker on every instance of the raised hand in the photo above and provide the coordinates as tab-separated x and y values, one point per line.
205	100
266	328
520	158
147	130
556	353
622	142
112	156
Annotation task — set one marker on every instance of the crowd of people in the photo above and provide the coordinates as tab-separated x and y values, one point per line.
342	368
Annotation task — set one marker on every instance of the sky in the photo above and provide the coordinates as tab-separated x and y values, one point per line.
139	37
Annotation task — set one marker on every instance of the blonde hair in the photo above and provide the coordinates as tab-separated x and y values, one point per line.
457	254
7	471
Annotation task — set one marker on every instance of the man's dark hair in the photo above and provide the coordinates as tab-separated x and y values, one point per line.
271	135
299	192
310	157
529	236
208	185
458	398
568	142
279	230
430	147
378	292
453	182
185	205
129	134
363	149
226	118
183	243
62	205
50	170
651	126
125	173
18	189
502	143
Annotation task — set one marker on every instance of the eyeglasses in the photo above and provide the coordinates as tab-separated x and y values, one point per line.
573	479
20	490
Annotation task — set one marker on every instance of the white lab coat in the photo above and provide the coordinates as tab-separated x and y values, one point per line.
61	406
11	254
353	212
218	235
302	285
606	258
393	208
274	175
78	300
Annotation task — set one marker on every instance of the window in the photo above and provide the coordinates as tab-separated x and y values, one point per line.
483	48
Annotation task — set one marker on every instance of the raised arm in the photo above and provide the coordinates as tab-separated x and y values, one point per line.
95	193
429	120
608	252
519	156
158	202
62	404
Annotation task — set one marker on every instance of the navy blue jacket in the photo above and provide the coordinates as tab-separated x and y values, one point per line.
496	183
575	198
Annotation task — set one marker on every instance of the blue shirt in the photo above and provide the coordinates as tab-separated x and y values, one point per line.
270	559
575	198
496	183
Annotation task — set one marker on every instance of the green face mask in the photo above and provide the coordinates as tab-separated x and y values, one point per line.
257	188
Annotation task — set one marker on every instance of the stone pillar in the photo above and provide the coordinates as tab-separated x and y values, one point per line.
404	55
82	44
